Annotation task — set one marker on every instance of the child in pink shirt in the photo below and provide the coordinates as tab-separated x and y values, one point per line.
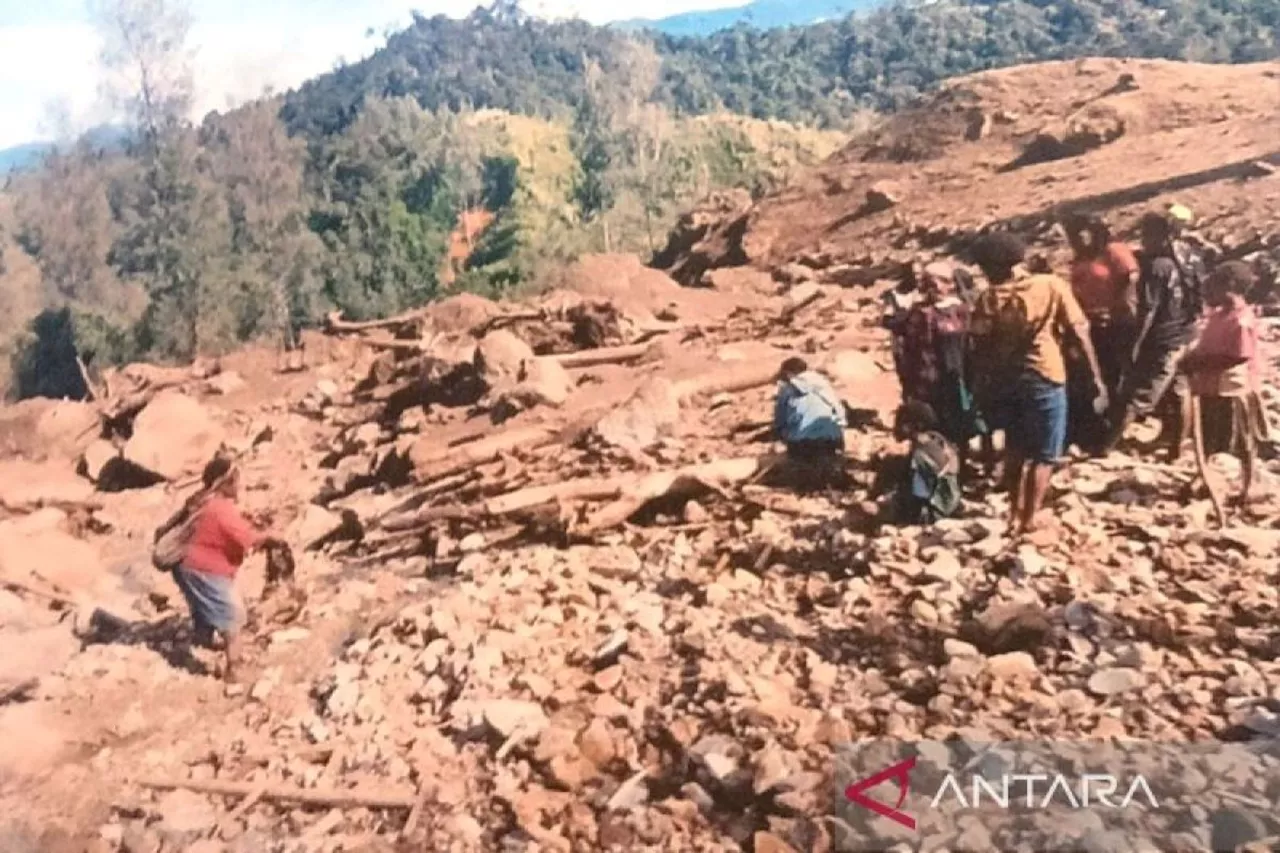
1223	370
1224	362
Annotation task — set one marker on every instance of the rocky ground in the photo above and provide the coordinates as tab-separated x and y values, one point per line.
549	595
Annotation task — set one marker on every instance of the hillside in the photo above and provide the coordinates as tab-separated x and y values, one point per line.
817	74
554	589
1127	136
761	15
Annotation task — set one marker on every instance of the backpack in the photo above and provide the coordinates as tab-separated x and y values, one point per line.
932	490
171	538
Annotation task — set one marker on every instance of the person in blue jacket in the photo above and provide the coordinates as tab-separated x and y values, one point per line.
809	418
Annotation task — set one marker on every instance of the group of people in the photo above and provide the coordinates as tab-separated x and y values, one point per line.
1050	362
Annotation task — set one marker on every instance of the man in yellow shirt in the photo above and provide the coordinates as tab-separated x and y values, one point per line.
1017	330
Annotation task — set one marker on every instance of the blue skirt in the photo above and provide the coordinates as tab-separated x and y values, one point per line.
212	599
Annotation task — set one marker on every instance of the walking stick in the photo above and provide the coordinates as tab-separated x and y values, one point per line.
1202	467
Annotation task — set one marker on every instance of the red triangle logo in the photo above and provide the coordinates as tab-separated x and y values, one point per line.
901	773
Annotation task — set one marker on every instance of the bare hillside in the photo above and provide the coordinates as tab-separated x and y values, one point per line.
1019	146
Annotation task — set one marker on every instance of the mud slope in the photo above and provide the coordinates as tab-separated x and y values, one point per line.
1019	145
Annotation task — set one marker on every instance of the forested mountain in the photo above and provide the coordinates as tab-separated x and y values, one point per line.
762	14
815	74
354	192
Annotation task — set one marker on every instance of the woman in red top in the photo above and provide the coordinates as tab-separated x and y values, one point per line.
219	542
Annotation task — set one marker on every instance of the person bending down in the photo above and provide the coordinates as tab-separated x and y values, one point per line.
1020	369
925	483
809	418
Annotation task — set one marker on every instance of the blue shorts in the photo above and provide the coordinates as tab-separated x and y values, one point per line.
1034	418
212	599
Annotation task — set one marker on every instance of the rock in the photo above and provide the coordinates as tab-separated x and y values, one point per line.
650	414
183	812
1013	666
954	648
42	429
471	543
509	716
608	652
851	369
32	484
544	383
943	565
96	456
1254	541
1115	681
1007	627
314	523
794	273
597	744
883	195
326	390
694	513
139	839
767	842
773	767
631	794
501	355
226	382
924	612
1029	563
173	436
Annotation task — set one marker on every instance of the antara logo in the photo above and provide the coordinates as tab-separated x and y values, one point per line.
900	773
1026	790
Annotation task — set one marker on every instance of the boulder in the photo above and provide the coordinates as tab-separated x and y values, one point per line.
883	195
30	484
650	414
227	382
501	356
97	456
850	368
173	436
42	429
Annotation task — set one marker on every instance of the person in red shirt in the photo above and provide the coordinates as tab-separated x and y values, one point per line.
1104	278
220	539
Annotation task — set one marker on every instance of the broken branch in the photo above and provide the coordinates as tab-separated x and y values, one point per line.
343	799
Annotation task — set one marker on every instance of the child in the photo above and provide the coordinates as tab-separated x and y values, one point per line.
809	418
1223	368
925	482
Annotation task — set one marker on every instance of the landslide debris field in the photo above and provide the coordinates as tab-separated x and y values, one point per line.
547	594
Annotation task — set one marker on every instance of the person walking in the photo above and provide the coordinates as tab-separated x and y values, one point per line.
220	538
1018	327
1169	305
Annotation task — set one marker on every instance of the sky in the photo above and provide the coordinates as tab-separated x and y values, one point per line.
49	51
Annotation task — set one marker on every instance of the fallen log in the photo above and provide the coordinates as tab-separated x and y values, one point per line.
732	380
335	325
587	489
605	355
395	345
332	798
431	462
713	475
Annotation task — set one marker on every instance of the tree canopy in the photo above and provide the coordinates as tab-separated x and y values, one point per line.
815	74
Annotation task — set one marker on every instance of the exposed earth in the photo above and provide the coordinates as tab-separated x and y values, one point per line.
547	596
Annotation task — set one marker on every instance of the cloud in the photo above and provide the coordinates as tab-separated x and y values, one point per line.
41	65
242	47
